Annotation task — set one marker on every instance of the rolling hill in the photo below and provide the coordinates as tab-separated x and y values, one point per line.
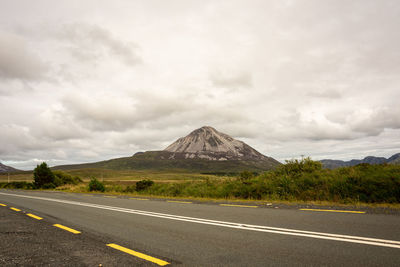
5	168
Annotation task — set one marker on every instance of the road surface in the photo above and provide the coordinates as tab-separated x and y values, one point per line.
135	231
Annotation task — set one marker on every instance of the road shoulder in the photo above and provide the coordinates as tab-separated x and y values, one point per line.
26	241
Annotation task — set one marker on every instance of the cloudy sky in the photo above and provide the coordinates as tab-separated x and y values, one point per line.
82	81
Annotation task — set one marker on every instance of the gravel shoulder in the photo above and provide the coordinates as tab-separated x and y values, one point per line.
29	242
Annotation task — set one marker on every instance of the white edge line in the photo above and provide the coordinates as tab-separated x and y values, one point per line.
259	228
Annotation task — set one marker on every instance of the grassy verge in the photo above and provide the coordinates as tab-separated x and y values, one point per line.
115	175
119	191
297	181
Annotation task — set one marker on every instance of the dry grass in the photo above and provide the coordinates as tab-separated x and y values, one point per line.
82	188
136	175
17	177
130	176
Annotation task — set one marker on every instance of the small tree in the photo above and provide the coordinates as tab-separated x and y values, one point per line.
43	176
96	185
246	175
143	184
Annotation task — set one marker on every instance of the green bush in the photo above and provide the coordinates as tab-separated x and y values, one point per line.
17	185
49	186
114	188
130	189
57	181
144	184
96	185
246	175
302	179
43	176
295	168
62	178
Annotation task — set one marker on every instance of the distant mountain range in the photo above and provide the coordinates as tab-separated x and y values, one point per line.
332	164
203	150
5	168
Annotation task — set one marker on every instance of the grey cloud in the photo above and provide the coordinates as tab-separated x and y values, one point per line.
102	112
145	138
328	93
18	61
374	121
25	143
110	112
89	42
56	124
9	87
295	125
357	45
384	145
344	125
138	120
248	130
19	138
231	80
339	117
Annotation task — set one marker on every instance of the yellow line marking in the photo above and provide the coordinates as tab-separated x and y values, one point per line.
15	209
138	254
34	216
346	211
110	196
4	205
174	201
243	206
67	228
138	198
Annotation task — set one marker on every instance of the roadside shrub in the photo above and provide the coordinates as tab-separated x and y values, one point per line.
144	184
245	175
130	189
96	185
113	188
303	180
62	178
17	185
43	176
57	181
295	168
49	186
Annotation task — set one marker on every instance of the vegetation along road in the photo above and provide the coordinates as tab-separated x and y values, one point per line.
136	231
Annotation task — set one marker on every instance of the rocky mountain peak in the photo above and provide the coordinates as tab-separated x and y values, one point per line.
206	142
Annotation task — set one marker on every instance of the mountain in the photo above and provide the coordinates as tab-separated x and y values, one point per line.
333	164
208	143
395	159
5	168
203	150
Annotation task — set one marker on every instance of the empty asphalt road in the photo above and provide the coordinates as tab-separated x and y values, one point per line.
178	233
